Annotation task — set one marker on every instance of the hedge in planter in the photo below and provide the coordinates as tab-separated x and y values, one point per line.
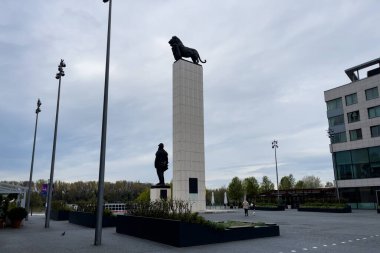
325	207
59	215
172	223
89	219
59	211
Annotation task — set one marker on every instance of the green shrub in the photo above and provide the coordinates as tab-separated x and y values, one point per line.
327	205
86	206
90	207
17	213
11	205
3	207
144	196
107	212
59	205
173	209
266	205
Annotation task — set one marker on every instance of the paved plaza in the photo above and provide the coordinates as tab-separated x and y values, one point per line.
355	232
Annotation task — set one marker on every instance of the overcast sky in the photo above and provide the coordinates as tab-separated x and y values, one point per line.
268	63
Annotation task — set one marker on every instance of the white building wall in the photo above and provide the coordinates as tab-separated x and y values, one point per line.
188	133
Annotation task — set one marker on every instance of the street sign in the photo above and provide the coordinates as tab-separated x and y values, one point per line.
44	189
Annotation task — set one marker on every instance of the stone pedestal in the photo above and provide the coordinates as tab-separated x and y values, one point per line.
188	135
160	192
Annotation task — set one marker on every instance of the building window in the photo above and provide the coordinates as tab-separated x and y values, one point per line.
374	157
356	135
344	165
372	93
353	116
334	104
351	99
374	112
339	137
336	121
358	163
375	131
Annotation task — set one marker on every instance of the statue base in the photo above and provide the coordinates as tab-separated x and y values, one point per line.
158	192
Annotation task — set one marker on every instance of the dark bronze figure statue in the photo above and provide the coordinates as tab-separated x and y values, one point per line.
161	163
179	51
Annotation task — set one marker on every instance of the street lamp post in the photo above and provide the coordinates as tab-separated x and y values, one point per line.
275	146
331	135
51	182
100	200
38	110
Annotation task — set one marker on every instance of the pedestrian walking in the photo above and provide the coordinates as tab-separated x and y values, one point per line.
253	207
246	207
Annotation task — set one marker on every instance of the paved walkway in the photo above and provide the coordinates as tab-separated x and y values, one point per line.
300	232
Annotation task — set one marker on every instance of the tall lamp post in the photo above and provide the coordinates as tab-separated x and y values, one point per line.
51	182
331	135
38	110
275	146
100	200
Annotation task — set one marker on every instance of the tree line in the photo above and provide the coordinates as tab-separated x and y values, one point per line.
124	191
251	188
119	191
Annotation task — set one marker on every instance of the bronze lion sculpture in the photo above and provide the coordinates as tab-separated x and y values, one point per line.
179	51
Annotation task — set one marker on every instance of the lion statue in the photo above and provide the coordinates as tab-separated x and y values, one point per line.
179	51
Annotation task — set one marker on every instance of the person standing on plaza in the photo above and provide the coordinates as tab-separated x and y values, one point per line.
245	207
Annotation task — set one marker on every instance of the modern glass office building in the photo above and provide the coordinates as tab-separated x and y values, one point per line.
353	112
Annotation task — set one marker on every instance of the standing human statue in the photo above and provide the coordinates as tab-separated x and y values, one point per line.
161	163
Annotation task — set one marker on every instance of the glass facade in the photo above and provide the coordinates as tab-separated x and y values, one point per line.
353	116
374	157
358	163
356	135
363	162
334	104
374	112
351	99
343	165
336	121
362	198
339	137
372	93
375	131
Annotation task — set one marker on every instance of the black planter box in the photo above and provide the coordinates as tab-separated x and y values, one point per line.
89	219
326	210
59	215
263	208
378	210
182	234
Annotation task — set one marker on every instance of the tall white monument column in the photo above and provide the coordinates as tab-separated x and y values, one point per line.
188	135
